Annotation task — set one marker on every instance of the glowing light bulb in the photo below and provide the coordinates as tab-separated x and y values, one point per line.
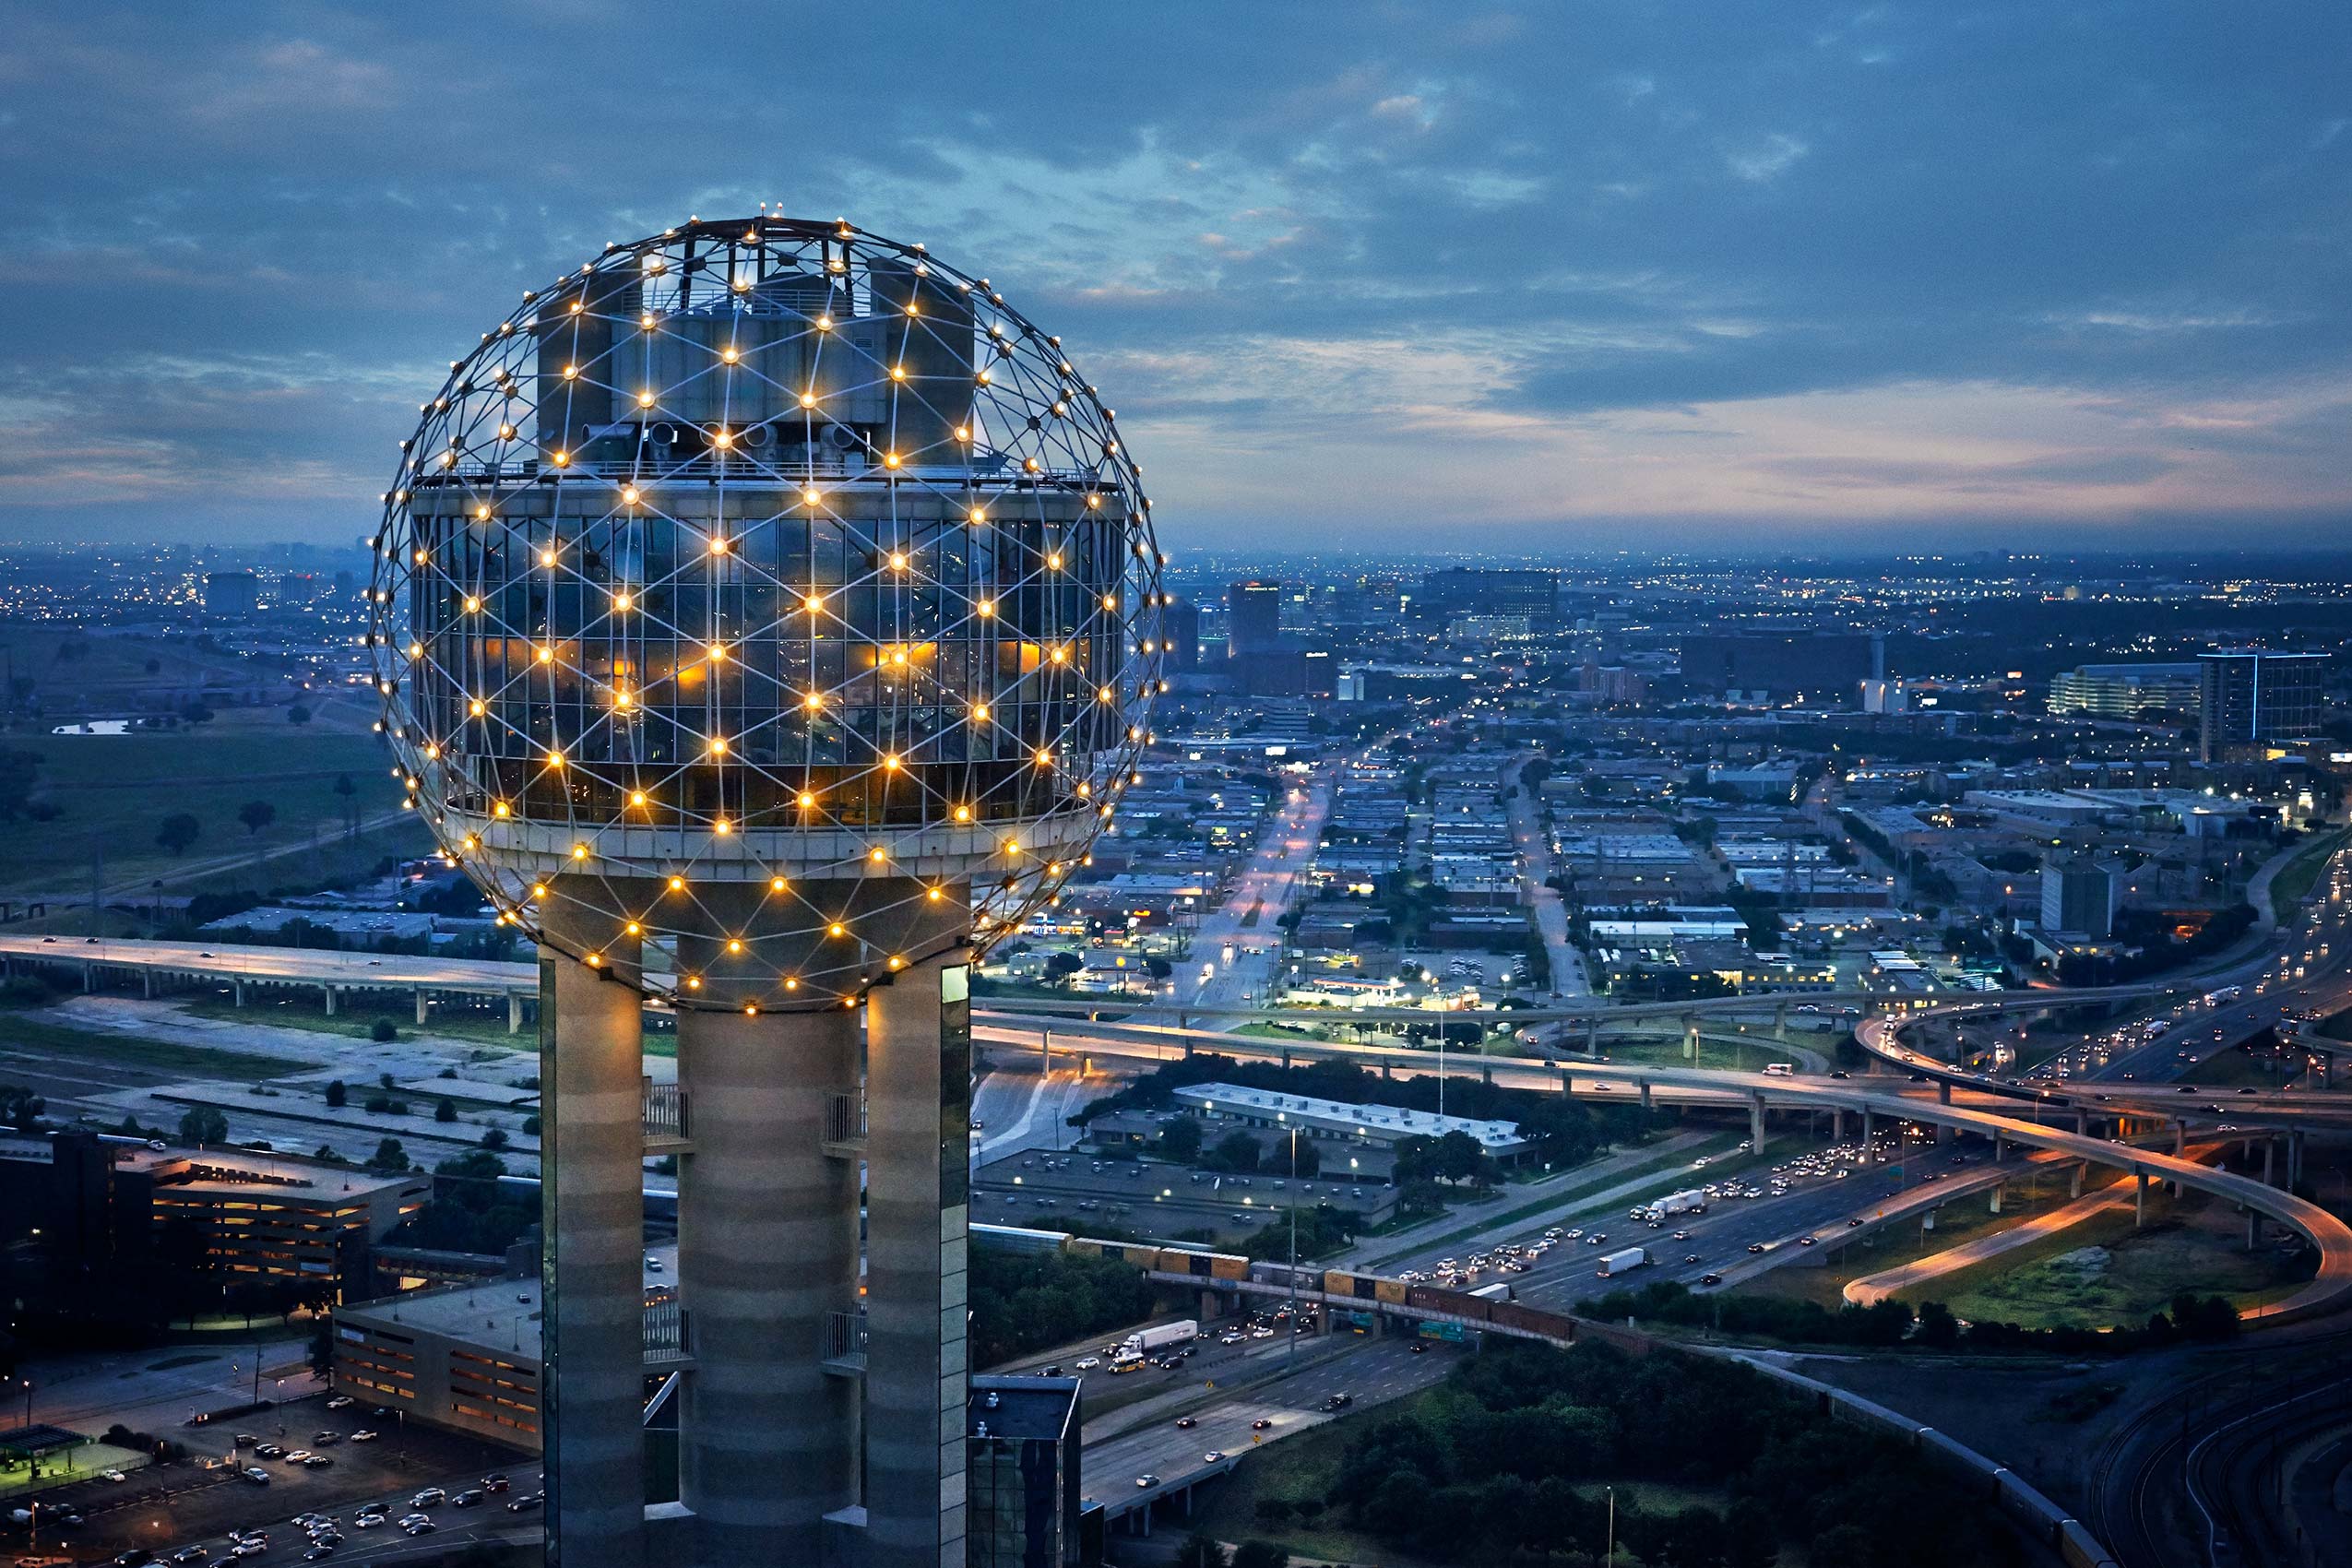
677	885
775	884
807	801
636	797
719	746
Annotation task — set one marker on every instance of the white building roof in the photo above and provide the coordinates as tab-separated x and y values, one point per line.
1384	1122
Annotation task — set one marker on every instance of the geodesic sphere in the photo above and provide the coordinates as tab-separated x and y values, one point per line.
753	584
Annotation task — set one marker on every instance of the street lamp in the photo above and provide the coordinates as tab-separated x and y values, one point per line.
1294	1246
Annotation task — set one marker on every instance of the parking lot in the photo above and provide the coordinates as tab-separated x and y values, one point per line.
1067	1192
170	1506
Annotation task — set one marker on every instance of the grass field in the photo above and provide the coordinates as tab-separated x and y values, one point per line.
1961	1220
485	1026
66	1043
113	792
2050	1284
1714	1050
2298	875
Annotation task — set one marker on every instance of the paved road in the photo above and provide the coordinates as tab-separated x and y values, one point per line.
1568	977
1259	894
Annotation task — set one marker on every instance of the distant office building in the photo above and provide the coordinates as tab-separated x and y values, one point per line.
2250	697
2125	691
1180	624
2079	897
465	1358
1778	666
1021	1465
1474	591
1880	696
1252	617
232	593
249	1216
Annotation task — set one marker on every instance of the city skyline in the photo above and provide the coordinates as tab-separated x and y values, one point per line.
2063	276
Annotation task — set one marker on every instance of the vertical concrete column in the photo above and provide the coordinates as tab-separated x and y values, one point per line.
1691	1039
424	1007
331	1000
2270	1162
1944	1091
1755	1125
2139	1199
2075	1185
2000	1145
591	1171
514	1011
237	993
1646	1096
1870	1126
917	1203
1838	1124
767	1246
1996	1197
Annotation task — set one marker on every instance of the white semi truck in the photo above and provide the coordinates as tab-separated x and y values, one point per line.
1691	1200
1137	1347
1615	1264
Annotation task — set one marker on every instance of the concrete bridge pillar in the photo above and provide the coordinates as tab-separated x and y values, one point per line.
1691	1037
1996	1197
237	993
2000	1147
2082	1123
147	985
2075	1185
90	977
1756	1124
1647	1099
1486	1074
2139	1198
424	1007
514	1011
2253	1230
1944	1091
1781	1021
1285	1058
2294	1160
327	991
1943	1135
1592	1037
1868	1126
2270	1162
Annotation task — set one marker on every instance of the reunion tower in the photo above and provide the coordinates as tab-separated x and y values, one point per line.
765	618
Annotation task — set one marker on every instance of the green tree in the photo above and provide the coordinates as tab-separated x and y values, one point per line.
495	1139
20	771
1180	1140
1201	1551
445	1111
530	1126
298	714
1260	1554
384	1029
337	1093
203	1125
178	831
256	815
390	1158
1236	1151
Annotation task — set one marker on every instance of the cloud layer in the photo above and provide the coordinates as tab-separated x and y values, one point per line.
1572	275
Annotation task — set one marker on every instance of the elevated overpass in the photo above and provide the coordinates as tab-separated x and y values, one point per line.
1867	1098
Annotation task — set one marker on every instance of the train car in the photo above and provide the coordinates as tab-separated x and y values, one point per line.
1533	1320
1205	1266
1020	1239
1356	1287
1389	1290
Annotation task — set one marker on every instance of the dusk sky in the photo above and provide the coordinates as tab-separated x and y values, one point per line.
1571	276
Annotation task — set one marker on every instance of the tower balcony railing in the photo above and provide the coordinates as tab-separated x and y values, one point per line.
668	1338
665	1114
845	1125
844	1350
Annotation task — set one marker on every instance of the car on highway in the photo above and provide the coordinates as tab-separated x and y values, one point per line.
1805	1241
1755	1246
1710	1279
1262	1423
525	1504
1186	1423
340	1402
1146	1481
363	1435
1691	1257
428	1497
1213	1456
1088	1363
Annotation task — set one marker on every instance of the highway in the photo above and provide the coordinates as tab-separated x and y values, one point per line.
1247	921
1568	977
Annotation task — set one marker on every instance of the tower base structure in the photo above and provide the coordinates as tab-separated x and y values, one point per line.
814	1427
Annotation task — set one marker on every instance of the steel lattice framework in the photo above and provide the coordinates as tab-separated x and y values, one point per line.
767	575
